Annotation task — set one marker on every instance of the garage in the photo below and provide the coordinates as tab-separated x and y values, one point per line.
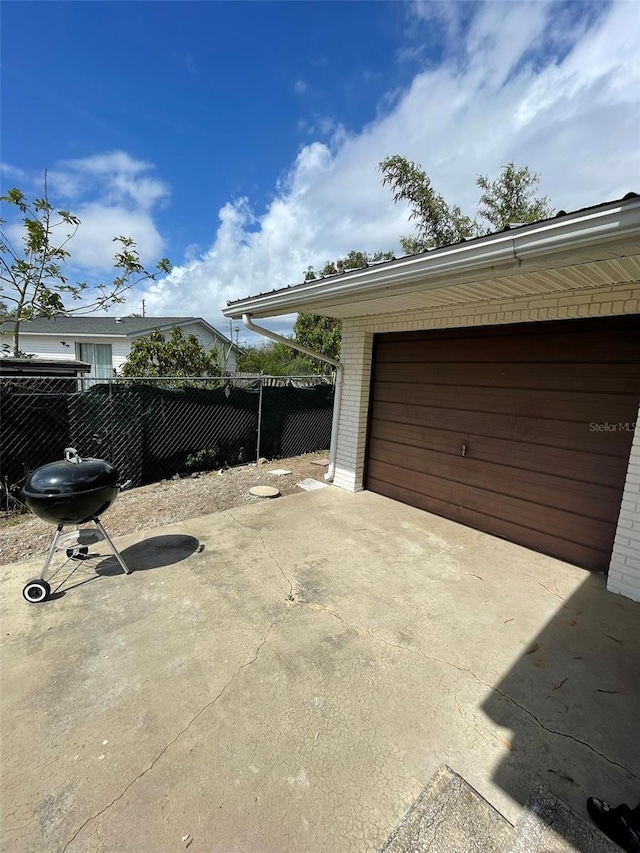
522	431
495	382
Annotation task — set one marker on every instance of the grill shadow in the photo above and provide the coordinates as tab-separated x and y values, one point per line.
153	553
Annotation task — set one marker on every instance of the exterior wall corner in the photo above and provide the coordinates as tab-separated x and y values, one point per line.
624	569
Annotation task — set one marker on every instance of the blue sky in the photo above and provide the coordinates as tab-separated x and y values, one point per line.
218	96
241	138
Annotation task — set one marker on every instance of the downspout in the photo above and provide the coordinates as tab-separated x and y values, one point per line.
246	319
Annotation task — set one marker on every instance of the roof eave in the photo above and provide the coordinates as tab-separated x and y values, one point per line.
495	252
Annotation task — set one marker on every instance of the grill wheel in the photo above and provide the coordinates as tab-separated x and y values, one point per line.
36	591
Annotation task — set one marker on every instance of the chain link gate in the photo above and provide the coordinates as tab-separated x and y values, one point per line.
152	429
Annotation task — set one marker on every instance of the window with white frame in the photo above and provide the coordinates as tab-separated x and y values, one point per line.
99	356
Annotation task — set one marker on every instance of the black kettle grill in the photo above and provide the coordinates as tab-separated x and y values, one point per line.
71	491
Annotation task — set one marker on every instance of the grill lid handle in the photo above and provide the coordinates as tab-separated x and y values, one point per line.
71	455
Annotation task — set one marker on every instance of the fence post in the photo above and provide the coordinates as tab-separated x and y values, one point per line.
111	424
259	418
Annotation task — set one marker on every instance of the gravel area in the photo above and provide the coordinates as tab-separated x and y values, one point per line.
23	536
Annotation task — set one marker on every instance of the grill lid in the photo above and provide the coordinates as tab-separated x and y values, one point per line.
71	476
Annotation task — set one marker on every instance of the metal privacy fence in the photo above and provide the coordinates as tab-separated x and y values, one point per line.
152	429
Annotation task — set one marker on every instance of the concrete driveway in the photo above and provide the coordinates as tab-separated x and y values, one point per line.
287	676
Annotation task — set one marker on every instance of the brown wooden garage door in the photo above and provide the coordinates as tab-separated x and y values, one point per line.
521	431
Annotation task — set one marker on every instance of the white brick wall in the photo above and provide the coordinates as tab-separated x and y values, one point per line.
357	341
624	570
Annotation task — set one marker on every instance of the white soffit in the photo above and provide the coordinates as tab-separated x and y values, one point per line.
610	272
597	247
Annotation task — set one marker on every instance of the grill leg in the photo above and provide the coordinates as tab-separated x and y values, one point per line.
116	553
52	550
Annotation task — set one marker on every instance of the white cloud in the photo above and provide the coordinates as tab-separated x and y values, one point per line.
12	172
112	194
93	248
300	87
117	177
540	83
572	118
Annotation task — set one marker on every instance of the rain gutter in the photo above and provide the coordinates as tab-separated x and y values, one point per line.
499	251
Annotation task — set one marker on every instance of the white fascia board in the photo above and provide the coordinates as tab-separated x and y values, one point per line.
495	252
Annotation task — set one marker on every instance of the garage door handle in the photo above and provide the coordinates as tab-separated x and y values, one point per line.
464	450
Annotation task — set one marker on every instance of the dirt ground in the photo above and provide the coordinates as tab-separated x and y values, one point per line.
168	501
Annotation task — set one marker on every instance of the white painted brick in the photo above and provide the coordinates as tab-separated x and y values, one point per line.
624	570
630	587
630	505
575	299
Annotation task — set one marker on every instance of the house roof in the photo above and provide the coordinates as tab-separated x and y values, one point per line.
592	246
103	325
41	367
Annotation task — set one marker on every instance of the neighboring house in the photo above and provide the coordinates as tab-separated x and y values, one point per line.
105	342
497	382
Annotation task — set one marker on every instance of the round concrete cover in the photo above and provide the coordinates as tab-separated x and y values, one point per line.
264	491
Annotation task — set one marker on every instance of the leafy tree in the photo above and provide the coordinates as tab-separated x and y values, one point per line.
511	198
321	334
178	355
438	224
324	334
274	359
353	261
33	282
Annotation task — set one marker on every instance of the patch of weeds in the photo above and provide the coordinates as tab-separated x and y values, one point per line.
11	505
203	460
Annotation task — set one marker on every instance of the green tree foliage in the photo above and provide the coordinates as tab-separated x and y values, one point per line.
33	281
274	359
437	223
324	334
510	198
353	261
321	334
181	355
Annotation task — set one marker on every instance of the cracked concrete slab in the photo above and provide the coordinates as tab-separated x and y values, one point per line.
450	816
288	676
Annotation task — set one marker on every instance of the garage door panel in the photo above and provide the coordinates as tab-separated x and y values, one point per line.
521	513
540	409
551	490
596	559
548	376
566	434
579	465
561	405
496	345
